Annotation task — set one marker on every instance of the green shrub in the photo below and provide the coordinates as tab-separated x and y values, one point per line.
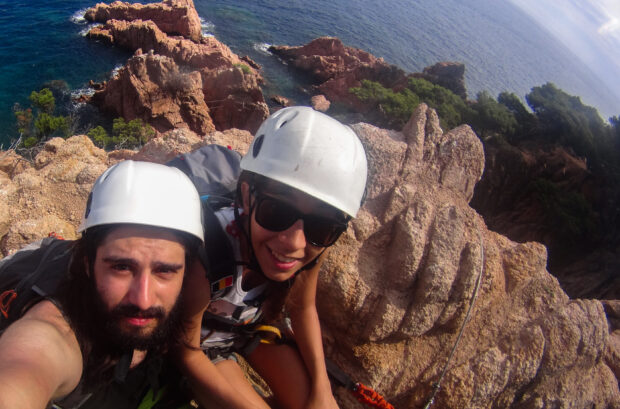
130	134
30	141
99	136
567	213
243	68
43	100
396	107
46	125
491	117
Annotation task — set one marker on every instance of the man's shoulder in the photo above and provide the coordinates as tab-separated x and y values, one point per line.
45	323
42	343
47	312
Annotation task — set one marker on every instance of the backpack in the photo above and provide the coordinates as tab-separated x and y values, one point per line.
214	169
35	271
31	274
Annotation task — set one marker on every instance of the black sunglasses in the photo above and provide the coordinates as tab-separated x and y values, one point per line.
276	215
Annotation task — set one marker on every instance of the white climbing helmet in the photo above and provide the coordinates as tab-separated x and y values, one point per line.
311	152
144	193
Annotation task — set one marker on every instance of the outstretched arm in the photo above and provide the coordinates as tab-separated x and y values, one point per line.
301	306
40	359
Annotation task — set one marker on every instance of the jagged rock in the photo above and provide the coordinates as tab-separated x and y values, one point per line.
395	289
161	150
174	17
230	85
146	36
320	103
235	99
282	101
12	164
152	88
50	196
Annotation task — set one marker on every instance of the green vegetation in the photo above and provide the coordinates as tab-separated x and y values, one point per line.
567	213
553	118
395	108
243	68
38	122
125	135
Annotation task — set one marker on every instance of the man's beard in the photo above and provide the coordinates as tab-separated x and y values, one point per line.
154	339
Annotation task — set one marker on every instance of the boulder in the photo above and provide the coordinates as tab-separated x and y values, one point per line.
395	291
320	103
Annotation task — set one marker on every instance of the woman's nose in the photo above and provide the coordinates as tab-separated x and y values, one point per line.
294	237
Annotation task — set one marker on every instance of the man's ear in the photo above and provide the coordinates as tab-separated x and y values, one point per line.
245	197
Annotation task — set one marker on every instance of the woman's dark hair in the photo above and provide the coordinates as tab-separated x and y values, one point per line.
79	300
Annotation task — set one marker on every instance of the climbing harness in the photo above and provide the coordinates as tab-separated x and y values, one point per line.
437	384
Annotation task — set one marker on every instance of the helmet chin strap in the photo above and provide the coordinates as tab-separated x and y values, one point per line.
253	262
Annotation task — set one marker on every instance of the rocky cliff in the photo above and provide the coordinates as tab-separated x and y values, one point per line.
395	290
335	68
177	78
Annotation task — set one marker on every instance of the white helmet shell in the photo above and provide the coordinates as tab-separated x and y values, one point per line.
144	193
311	152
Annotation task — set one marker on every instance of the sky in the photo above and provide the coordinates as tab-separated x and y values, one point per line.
589	28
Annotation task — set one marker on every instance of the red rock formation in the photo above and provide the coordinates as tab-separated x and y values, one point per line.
152	88
230	85
336	68
173	17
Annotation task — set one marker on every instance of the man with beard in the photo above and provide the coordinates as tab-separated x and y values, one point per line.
97	342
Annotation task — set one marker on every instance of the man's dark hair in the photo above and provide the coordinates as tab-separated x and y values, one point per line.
82	307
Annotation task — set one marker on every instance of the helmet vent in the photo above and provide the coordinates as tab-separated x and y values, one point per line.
88	204
258	144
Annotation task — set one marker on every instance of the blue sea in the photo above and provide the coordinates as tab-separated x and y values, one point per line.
503	49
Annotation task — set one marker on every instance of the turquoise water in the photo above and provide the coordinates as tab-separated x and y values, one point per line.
503	49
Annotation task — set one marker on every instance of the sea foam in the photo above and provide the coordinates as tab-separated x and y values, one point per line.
207	27
78	17
262	48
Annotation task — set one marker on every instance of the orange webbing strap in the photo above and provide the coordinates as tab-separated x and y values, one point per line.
370	397
6	299
55	235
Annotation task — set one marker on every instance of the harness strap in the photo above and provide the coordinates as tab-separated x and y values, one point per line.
6	299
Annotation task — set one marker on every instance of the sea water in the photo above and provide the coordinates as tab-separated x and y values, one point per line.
502	48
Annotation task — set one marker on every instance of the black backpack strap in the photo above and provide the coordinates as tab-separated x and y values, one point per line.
32	274
217	254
